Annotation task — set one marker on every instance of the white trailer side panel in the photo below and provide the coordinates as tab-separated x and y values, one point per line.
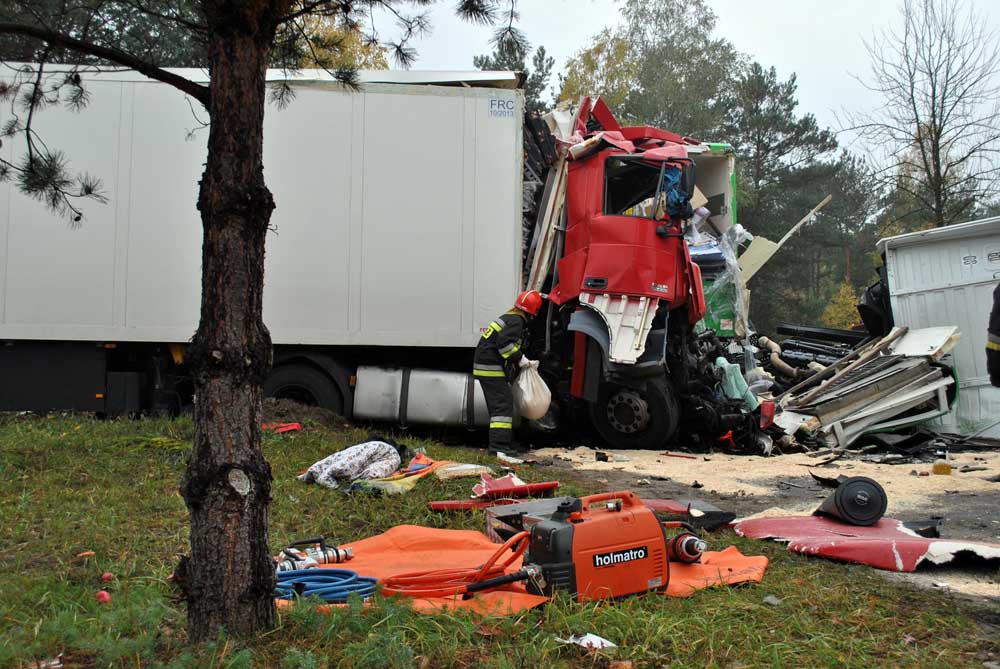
54	275
946	277
397	220
162	279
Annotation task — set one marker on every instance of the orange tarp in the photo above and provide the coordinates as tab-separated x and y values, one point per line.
412	548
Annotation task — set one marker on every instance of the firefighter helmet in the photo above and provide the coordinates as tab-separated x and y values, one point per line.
530	301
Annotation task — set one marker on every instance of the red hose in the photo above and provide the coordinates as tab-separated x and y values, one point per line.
451	582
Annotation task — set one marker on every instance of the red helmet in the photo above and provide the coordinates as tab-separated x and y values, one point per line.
530	301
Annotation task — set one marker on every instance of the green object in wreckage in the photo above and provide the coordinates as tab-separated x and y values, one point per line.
720	306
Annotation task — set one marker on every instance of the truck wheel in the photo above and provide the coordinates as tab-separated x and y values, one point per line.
304	384
629	418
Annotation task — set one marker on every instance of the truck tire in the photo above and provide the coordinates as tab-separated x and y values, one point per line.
304	384
638	419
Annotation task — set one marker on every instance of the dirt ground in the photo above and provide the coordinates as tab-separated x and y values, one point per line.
288	411
968	503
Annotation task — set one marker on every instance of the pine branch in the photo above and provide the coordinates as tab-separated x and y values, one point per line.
60	40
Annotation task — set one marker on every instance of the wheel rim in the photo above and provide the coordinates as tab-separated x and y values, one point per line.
628	412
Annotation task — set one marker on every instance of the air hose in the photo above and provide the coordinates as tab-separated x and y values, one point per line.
330	585
452	582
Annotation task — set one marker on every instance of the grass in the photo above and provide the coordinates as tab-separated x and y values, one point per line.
73	484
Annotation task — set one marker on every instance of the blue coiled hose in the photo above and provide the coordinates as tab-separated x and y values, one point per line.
330	585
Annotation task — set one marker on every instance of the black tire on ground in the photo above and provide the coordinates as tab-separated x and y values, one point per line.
640	419
304	384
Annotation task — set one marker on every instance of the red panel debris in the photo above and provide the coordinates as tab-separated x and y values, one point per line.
279	428
510	486
887	544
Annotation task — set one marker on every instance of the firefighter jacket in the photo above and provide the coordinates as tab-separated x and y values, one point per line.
499	349
993	340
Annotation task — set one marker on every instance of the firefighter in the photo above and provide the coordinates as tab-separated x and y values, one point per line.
993	340
498	357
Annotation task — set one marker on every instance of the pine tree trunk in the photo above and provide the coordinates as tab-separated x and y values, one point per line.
228	579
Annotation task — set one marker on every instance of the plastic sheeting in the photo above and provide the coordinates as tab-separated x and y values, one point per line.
725	292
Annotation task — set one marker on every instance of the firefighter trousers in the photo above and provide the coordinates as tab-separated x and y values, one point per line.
500	403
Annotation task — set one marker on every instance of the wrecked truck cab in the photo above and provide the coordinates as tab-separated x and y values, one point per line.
624	262
625	289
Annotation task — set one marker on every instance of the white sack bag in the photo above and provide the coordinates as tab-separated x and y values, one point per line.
531	396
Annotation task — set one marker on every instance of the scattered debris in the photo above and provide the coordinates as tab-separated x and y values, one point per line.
941	467
588	641
832	458
729	474
402	481
875	385
859	500
465	504
369	460
699	514
772	600
510	486
509	459
281	428
454	470
829	481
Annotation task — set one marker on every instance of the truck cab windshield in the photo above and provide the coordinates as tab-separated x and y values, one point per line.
635	186
631	186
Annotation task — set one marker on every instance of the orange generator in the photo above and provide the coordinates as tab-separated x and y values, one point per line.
606	545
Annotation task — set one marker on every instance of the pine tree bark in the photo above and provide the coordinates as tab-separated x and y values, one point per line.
228	578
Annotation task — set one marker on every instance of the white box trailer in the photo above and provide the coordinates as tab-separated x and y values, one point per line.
946	276
404	212
398	222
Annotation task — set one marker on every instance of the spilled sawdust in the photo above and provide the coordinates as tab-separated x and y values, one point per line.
980	582
758	475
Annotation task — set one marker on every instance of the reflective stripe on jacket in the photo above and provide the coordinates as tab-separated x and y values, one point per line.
499	349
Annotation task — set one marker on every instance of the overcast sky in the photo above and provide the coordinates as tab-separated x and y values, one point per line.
822	42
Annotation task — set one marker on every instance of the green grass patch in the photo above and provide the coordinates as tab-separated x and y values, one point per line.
74	484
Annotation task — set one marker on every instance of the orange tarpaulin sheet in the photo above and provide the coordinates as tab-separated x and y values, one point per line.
412	548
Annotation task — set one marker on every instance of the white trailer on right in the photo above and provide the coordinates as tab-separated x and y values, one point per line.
943	277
